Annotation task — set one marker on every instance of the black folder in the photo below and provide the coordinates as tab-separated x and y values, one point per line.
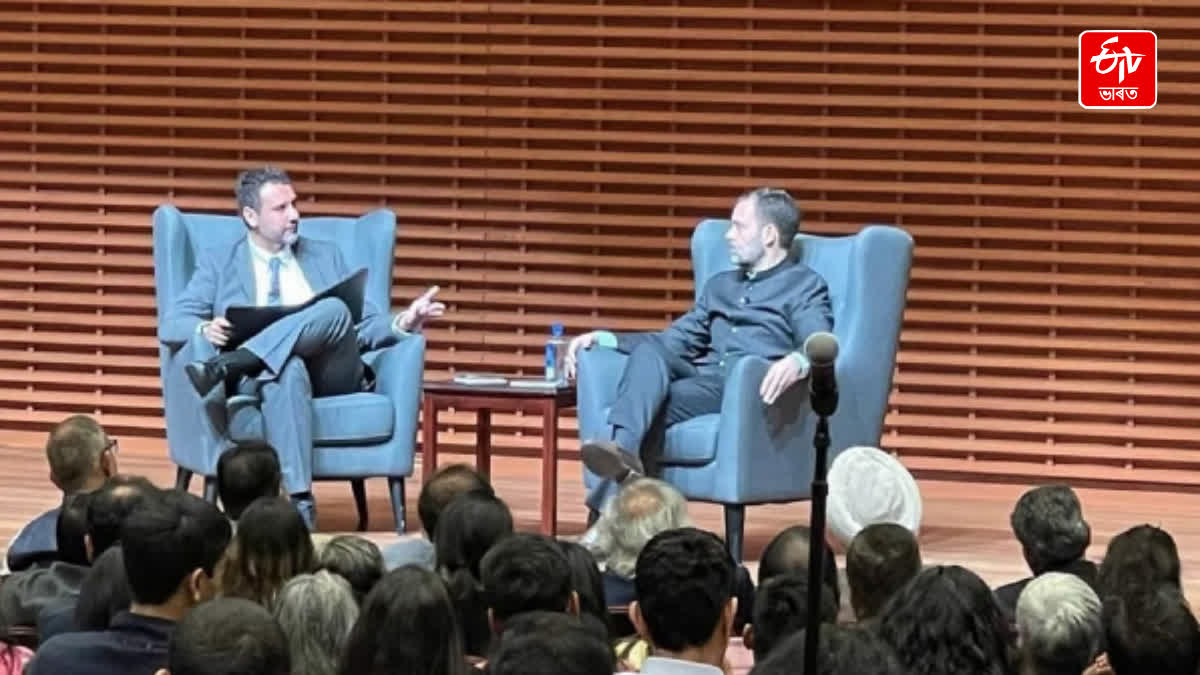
250	320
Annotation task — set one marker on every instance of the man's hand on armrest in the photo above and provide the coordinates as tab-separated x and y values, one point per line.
585	341
782	374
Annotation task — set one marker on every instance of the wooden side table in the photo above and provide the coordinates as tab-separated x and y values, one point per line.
484	400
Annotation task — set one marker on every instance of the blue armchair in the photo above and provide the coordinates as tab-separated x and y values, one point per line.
356	436
751	454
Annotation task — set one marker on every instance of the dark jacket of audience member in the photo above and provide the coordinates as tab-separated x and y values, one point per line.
880	560
228	636
468	528
272	545
27	594
781	610
408	625
841	650
1151	631
103	594
245	473
550	643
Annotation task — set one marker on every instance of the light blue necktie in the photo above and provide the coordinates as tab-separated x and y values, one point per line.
273	285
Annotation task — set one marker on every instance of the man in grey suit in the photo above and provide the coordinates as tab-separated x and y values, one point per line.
313	352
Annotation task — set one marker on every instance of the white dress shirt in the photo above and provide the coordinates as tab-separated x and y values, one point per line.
293	287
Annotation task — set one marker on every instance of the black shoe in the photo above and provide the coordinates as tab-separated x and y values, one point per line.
609	460
206	374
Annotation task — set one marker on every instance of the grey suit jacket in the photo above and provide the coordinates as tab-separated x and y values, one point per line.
224	277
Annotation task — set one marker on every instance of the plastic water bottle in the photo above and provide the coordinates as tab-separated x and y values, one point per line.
556	352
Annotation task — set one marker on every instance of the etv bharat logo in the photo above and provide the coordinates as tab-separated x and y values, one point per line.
1118	69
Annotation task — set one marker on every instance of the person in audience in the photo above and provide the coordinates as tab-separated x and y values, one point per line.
946	622
110	506
81	457
355	559
171	545
526	573
245	472
228	636
467	529
868	486
271	545
24	595
588	584
550	643
448	483
1048	521
881	559
841	650
1138	559
1151	631
316	612
685	603
1059	629
103	594
781	610
787	553
408	625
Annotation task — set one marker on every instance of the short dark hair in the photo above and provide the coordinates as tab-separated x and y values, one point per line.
1151	631
228	636
70	529
525	573
788	553
73	451
467	530
104	592
246	472
445	485
249	183
1138	559
1048	521
880	559
683	580
355	559
840	650
407	625
551	643
781	609
588	583
946	620
272	545
171	535
109	506
774	206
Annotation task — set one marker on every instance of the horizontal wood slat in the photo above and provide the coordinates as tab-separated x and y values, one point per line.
547	162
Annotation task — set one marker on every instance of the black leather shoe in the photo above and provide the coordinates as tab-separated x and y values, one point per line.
206	374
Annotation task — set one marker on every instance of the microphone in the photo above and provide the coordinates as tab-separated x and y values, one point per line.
822	350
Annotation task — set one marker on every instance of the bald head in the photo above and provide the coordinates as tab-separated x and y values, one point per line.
80	455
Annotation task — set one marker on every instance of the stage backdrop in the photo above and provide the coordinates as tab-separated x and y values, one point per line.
548	160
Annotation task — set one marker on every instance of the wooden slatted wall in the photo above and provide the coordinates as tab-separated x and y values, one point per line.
547	161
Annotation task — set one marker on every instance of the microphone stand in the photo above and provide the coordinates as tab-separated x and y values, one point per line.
824	403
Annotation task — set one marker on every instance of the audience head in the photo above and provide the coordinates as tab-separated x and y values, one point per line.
587	583
770	215
446	484
316	613
172	544
868	485
550	643
246	472
228	636
466	530
526	573
1139	559
946	622
355	559
272	545
684	587
407	625
1048	521
80	454
1151	631
788	553
841	650
1059	628
643	508
104	592
110	505
882	558
70	532
781	610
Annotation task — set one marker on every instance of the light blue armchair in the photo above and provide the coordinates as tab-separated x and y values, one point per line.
752	454
356	436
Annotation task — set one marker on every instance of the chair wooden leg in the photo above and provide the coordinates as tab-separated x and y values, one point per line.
359	488
735	524
396	488
210	489
183	478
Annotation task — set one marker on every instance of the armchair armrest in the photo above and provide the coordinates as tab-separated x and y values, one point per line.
399	370
596	386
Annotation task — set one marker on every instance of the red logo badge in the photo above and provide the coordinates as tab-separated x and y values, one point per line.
1118	69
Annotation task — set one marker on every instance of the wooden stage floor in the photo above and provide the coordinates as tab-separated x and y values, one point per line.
964	523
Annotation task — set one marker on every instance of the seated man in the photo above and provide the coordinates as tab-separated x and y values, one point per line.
228	636
81	458
314	352
246	472
768	308
882	558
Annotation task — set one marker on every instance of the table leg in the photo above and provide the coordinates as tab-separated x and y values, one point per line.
429	437
550	468
483	441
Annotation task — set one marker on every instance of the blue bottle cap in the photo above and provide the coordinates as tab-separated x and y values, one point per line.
556	329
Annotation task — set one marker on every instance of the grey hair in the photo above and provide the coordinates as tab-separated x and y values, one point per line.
249	184
317	612
1048	521
774	206
1059	624
642	509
